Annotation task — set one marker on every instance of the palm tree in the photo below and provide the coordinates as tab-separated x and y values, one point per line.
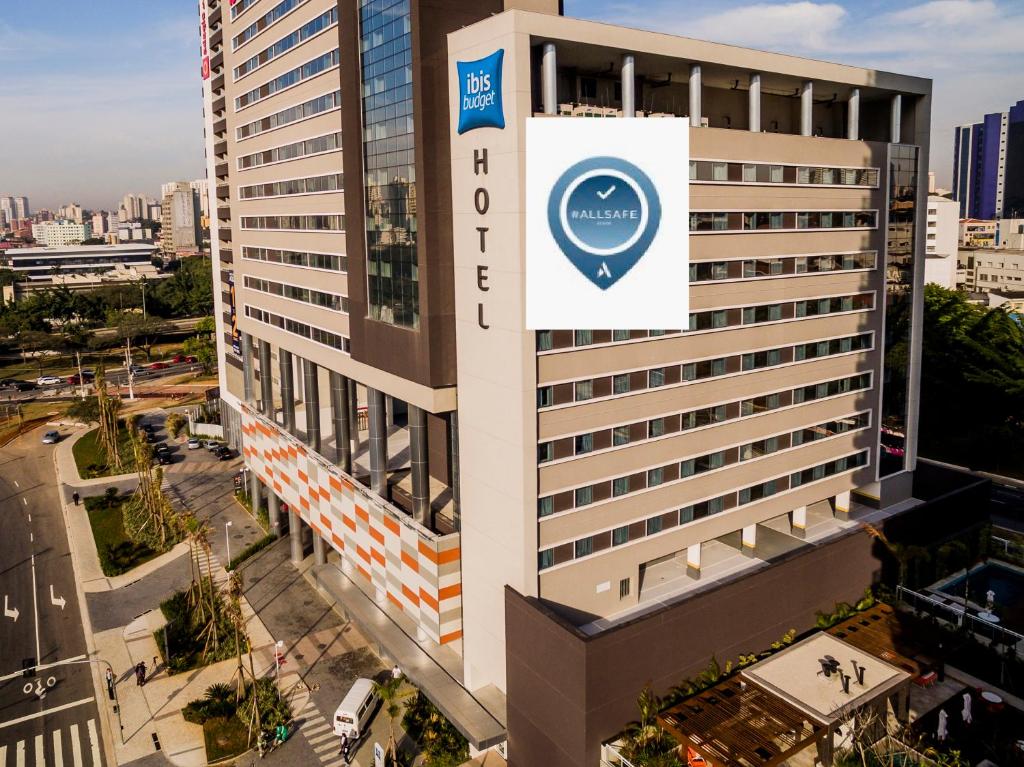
391	694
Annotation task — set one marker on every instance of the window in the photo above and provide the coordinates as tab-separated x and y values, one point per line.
544	340
693	170
620	535
326	103
545	559
584	390
655	477
620	383
584	547
584	496
545	451
776	174
545	506
620	435
749	173
687	468
686	515
653	525
620	486
583	338
584	443
288	79
620	335
655	427
656	377
545	396
719	171
624	588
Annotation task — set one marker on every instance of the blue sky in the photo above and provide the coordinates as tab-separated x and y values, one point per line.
102	97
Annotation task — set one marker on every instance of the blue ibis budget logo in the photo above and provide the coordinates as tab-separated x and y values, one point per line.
604	213
480	93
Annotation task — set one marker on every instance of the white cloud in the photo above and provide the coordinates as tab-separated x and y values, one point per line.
804	24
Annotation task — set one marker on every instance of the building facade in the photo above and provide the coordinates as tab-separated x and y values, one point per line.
59	234
180	219
988	165
942	241
378	379
992	269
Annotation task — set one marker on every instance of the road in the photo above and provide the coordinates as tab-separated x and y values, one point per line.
1006	506
116	377
50	717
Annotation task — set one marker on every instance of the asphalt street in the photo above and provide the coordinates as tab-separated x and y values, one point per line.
1006	506
48	715
116	377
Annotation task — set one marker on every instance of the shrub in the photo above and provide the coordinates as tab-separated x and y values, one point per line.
174	423
442	744
274	709
250	550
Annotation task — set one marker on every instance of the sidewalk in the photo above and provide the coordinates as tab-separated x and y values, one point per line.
150	715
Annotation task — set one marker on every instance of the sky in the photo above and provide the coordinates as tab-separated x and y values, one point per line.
103	97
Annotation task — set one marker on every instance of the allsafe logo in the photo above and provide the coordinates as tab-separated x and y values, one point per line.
607	211
480	93
604	212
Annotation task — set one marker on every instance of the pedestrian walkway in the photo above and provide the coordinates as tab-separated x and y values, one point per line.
72	746
319	734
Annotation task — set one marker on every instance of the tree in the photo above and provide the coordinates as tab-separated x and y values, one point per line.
144	332
203	350
391	694
206	326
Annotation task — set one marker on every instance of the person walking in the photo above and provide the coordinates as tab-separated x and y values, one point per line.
75	497
344	747
110	683
138	674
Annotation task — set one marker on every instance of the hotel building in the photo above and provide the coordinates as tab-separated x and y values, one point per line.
448	464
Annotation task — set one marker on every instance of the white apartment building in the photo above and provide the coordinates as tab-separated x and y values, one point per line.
58	234
942	240
991	269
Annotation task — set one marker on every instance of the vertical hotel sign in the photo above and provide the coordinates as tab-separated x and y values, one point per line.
202	40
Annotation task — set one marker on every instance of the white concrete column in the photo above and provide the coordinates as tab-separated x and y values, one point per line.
749	540
695	85
806	108
754	103
266	380
693	560
841	503
274	513
798	521
549	79
895	117
853	115
319	549
295	533
248	372
628	85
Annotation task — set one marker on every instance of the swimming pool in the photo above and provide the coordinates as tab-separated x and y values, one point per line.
1007	583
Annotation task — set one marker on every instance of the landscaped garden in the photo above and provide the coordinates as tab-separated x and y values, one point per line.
118	553
91	457
200	628
233	718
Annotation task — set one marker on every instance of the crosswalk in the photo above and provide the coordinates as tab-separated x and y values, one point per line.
71	746
320	735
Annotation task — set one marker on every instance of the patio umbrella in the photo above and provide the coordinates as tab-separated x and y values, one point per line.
967	708
943	730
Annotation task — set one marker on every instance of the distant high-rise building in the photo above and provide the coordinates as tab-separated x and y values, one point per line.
202	187
988	165
941	240
7	208
179	217
21	209
57	234
73	212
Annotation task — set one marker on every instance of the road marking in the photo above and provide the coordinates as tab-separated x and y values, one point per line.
16	483
58	753
10	612
19	756
40	753
59	601
45	712
76	747
35	606
94	743
31	537
3	755
40	667
25	501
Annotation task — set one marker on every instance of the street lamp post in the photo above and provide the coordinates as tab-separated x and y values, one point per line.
277	656
227	539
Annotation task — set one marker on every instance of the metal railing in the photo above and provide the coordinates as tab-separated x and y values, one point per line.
953	612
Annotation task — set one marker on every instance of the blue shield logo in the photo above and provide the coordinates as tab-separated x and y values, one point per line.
480	93
604	213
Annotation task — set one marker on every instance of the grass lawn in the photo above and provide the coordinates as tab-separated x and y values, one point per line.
225	737
33	412
117	553
65	364
92	460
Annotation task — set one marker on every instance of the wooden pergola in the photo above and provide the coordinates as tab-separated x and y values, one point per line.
736	723
879	632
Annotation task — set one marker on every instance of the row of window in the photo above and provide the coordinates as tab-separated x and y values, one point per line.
240	6
289	41
314	223
593	544
711	271
650	378
707	221
333	301
305	71
716	319
332	182
275	14
328	261
312	146
681	470
326	103
640	431
766	173
320	336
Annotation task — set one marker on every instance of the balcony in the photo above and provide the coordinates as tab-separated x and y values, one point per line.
226	256
215	17
221	171
219	128
218	84
218	107
220	150
223	191
215	40
224	234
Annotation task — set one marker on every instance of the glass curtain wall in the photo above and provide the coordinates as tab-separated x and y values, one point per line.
389	161
899	300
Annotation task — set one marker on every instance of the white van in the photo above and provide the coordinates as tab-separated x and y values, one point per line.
355	712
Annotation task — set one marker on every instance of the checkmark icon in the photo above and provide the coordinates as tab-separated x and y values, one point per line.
606	194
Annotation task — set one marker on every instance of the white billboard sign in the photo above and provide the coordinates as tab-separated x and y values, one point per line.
607	223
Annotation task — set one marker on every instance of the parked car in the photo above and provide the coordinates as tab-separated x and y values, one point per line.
190	358
353	716
162	449
51	437
136	369
213	445
225	454
163	458
76	379
150	437
49	380
148	428
177	358
158	366
194	443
